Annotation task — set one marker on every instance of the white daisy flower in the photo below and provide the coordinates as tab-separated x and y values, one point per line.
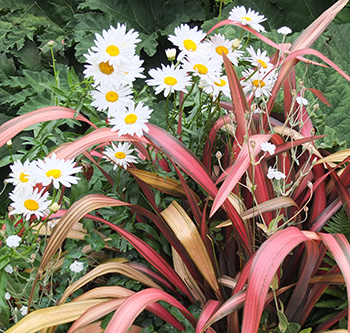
221	45
302	101
258	83
21	175
102	72
130	71
133	121
204	68
284	30
8	269
7	296
30	202
23	310
250	17
120	155
188	40
268	146
76	266
220	85
258	58
112	98
275	174
116	45
169	79
13	241
52	170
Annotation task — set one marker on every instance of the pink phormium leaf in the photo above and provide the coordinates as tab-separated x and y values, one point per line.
206	313
340	249
134	305
266	262
12	127
247	154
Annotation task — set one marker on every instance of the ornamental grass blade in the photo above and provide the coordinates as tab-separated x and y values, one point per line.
95	201
53	316
206	313
95	328
163	184
336	157
108	268
266	262
239	101
134	305
182	156
96	137
267	206
315	29
14	126
339	247
243	161
187	232
102	309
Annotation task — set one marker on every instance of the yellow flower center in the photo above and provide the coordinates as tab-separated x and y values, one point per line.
112	50
120	155
262	63
190	45
246	18
55	173
112	96
23	177
258	83
201	69
130	119
106	68
221	49
170	81
221	83
31	204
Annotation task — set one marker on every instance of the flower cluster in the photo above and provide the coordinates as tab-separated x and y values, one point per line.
114	66
26	196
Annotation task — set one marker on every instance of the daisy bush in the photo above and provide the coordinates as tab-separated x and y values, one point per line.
186	184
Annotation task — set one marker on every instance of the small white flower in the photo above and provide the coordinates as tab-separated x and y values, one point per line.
23	310
52	223
275	174
21	175
169	79
268	146
13	241
7	296
120	155
250	17
284	30
76	266
30	202
8	269
52	170
302	101
133	121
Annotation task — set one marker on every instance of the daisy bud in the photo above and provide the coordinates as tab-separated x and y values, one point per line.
55	207
310	185
50	43
9	143
171	54
316	106
236	43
